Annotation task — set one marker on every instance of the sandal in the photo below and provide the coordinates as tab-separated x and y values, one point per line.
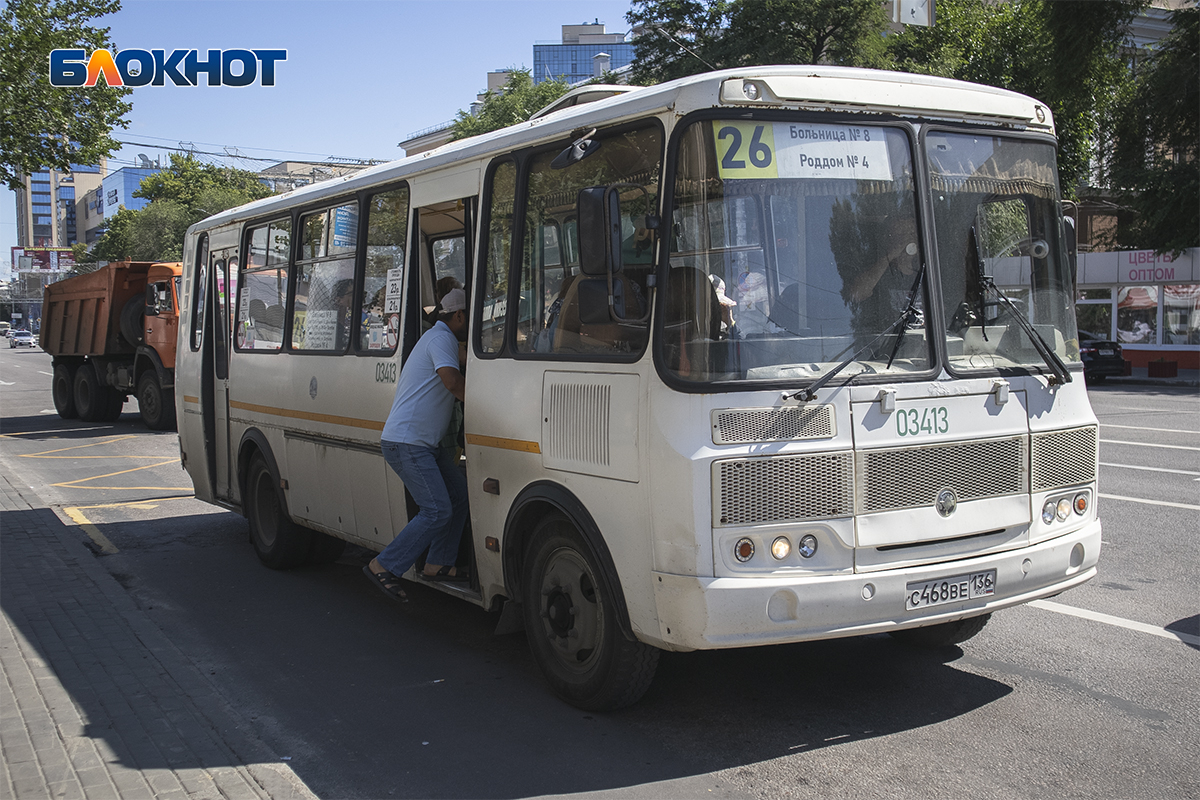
443	574
387	583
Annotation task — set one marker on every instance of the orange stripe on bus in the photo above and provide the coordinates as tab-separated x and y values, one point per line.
187	398
332	419
503	444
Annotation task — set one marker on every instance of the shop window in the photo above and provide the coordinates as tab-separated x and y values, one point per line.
1137	314
1181	314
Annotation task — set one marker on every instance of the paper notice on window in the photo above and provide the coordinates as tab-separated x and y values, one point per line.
801	150
320	330
395	291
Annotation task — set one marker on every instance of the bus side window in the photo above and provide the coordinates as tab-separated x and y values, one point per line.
264	288
497	244
383	276
323	310
199	292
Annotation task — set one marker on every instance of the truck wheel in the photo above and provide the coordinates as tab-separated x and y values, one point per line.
279	542
572	626
63	383
92	398
116	403
946	634
157	405
132	314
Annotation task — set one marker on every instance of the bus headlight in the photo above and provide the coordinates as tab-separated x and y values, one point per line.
1048	511
780	548
807	546
743	549
1064	509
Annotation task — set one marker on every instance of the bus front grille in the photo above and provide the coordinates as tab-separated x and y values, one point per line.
746	425
911	477
1064	458
752	491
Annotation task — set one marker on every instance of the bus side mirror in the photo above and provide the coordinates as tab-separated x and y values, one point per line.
599	218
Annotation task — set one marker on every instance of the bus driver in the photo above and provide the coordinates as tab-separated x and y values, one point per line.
421	412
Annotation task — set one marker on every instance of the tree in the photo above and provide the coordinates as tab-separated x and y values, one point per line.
42	126
1152	157
724	33
518	100
180	196
1049	50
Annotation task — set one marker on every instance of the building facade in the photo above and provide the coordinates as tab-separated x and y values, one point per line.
586	51
47	205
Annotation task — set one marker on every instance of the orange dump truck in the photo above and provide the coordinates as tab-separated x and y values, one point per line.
112	333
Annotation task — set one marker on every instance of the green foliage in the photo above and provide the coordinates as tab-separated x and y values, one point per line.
1049	50
1152	159
516	101
699	25
180	196
42	126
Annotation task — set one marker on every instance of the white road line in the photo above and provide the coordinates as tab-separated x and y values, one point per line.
6	383
1102	425
1148	444
1150	469
1154	410
1148	502
51	374
1108	619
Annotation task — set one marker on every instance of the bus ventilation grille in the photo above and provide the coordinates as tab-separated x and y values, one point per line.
1064	458
743	425
752	491
578	431
911	477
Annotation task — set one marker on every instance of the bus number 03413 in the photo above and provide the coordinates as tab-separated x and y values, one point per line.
911	422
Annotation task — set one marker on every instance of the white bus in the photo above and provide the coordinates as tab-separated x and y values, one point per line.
758	356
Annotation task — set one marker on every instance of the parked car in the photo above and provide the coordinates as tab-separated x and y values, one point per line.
20	339
1101	357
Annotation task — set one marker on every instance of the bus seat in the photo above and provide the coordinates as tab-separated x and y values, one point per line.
584	323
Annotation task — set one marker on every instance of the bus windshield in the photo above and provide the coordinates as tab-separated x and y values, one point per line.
998	228
794	247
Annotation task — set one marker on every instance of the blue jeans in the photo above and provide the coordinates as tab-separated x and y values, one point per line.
439	486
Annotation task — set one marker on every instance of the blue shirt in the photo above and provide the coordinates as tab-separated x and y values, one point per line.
423	405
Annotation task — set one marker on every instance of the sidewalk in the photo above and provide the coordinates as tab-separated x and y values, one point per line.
95	701
1186	378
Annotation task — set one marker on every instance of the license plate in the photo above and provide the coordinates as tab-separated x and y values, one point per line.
958	588
1106	352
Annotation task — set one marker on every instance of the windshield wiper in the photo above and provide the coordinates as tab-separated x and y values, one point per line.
910	312
1057	367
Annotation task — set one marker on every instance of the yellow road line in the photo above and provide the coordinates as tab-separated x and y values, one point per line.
144	504
124	472
45	453
106	547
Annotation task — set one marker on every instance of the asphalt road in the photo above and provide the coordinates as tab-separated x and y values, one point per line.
368	699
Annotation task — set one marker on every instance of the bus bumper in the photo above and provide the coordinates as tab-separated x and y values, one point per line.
708	613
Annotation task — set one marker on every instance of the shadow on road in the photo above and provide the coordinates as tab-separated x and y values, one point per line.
370	699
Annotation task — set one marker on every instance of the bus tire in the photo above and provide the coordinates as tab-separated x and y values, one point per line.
63	384
279	542
947	634
572	627
93	399
157	405
325	549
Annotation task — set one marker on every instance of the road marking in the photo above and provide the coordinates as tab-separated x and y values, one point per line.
75	483
46	453
1154	410
1148	444
1140	428
1108	619
147	504
1149	502
1150	469
6	383
48	411
43	372
106	547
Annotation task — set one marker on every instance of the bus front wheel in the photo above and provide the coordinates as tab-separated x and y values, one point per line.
944	635
572	626
279	542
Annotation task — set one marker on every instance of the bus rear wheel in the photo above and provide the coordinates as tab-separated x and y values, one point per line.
64	391
572	625
279	542
946	634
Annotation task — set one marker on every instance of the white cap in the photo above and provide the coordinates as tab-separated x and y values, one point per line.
455	300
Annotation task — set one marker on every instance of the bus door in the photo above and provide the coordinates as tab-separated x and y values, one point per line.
224	271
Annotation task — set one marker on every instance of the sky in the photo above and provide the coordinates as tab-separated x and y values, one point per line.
359	77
